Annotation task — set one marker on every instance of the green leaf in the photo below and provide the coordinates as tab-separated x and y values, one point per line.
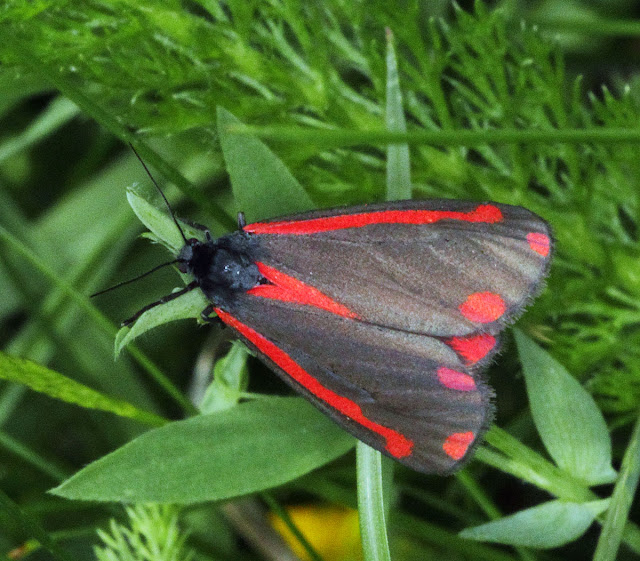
187	306
398	165
31	526
622	498
159	221
230	381
251	447
570	424
549	525
163	229
371	503
58	386
263	187
59	112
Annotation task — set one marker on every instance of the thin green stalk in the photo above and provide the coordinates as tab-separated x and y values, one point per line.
591	27
398	166
373	526
31	527
439	537
284	516
344	137
621	500
487	506
478	494
32	458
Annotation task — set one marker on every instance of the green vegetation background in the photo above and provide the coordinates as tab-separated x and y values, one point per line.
159	70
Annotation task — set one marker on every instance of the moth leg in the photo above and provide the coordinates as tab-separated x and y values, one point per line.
163	300
207	318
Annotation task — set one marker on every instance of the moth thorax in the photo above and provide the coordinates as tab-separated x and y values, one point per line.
233	270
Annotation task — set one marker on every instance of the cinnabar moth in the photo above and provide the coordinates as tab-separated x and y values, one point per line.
381	315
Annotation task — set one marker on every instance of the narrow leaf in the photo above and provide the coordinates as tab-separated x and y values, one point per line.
159	222
230	380
249	448
398	166
155	220
189	305
58	386
163	229
621	501
30	524
371	511
570	424
545	526
262	185
59	112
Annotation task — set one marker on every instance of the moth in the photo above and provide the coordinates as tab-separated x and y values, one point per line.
382	315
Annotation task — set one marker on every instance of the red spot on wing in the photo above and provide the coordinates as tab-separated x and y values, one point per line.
473	348
456	380
457	444
483	307
540	243
289	289
489	214
397	444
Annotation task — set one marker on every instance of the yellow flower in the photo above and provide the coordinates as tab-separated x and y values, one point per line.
331	530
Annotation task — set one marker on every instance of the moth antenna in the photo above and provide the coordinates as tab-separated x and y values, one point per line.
135	278
166	202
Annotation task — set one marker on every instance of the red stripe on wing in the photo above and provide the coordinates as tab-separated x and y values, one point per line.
483	307
289	289
456	380
457	444
540	243
396	444
489	214
473	348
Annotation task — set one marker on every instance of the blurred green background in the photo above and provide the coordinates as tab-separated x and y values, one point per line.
77	79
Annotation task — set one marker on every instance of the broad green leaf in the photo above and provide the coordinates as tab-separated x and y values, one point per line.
570	424
545	526
58	386
262	185
245	449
